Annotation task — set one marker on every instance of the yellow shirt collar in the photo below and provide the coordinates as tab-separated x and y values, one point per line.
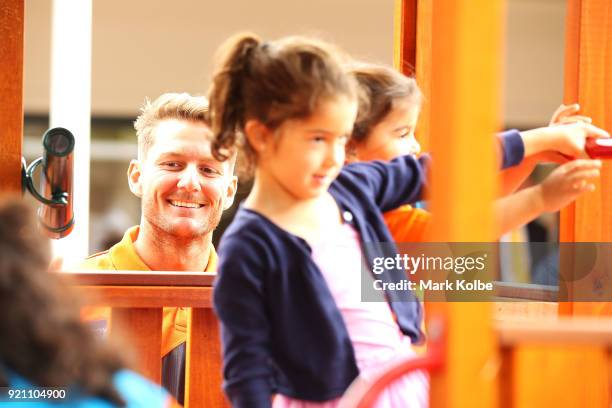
124	257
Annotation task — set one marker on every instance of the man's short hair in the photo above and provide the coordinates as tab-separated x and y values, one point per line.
181	106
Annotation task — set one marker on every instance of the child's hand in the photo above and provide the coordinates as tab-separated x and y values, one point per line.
568	139
567	182
568	114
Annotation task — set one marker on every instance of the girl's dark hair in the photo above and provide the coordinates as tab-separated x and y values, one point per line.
382	86
271	82
43	338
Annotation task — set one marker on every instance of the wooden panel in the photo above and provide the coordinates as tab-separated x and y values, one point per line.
11	93
204	369
572	359
141	327
558	376
146	296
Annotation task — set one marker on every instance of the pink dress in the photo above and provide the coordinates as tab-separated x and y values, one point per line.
375	335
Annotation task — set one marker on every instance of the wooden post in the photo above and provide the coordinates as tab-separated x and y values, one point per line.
458	60
588	58
141	327
204	361
11	90
404	32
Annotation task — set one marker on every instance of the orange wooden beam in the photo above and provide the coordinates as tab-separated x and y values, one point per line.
141	328
204	381
11	93
588	58
459	69
405	32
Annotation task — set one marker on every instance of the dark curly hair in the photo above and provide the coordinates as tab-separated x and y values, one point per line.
43	338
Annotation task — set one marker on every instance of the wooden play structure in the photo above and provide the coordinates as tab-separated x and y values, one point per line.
503	354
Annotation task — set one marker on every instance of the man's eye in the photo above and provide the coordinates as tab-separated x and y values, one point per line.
172	165
209	170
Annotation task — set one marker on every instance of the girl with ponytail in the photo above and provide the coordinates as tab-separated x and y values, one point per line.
288	292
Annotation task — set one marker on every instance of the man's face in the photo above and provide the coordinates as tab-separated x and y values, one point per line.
183	189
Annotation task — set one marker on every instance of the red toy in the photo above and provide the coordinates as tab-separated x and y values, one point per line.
599	148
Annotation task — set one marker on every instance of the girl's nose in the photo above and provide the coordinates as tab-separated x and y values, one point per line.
415	147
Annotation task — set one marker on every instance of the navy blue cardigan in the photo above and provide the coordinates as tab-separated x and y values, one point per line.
281	329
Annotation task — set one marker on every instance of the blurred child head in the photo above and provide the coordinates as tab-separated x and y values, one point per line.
289	107
384	128
43	338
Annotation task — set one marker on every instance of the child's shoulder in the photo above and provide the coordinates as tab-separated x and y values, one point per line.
251	243
250	229
247	223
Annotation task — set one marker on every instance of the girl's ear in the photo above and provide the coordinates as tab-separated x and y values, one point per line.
134	174
258	135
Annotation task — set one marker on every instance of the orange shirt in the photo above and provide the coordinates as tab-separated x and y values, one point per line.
408	224
123	256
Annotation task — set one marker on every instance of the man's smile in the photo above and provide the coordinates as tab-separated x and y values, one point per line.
185	204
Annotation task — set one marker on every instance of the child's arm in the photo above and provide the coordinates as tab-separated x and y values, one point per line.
512	178
245	332
390	184
560	188
567	139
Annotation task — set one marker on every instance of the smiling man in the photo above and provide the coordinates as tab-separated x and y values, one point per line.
183	192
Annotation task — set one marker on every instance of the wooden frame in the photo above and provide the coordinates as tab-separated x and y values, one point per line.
137	299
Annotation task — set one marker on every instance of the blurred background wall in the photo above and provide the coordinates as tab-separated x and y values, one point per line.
144	48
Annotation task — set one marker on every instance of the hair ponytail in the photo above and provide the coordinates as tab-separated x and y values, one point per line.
226	93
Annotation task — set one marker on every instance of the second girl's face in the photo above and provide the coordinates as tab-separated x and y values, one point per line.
308	154
393	136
